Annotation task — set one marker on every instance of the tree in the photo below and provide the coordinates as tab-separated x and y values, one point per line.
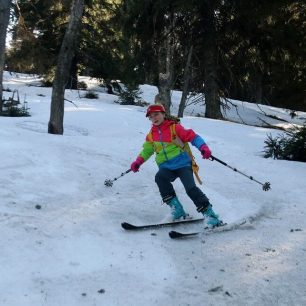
209	21
164	25
165	53
64	61
4	20
101	49
265	49
152	29
37	35
186	80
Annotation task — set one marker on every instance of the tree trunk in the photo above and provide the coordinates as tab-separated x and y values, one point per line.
73	75
258	88
165	76
4	20
186	80
211	87
62	72
164	91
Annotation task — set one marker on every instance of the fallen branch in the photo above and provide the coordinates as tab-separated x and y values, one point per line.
71	102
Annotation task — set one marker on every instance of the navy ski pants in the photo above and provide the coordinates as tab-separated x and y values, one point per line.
165	177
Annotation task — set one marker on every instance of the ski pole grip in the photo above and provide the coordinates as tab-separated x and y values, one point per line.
218	160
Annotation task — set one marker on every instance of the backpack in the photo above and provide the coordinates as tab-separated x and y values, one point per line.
184	146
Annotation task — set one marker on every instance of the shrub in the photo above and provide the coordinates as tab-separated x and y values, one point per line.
47	79
11	106
15	111
82	85
288	146
130	95
91	95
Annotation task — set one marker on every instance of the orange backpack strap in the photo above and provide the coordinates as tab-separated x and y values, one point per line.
150	136
195	167
185	146
150	139
175	139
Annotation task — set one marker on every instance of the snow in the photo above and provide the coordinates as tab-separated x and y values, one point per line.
61	240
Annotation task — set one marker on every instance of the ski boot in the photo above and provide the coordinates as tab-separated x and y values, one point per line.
211	218
177	210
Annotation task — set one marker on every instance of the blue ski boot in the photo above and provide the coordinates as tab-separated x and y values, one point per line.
177	210
211	218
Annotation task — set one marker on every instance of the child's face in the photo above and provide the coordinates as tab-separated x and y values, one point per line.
157	118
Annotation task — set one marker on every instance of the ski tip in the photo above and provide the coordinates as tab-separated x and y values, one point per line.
174	234
128	226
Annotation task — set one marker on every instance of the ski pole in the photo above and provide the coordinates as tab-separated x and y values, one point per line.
109	183
265	186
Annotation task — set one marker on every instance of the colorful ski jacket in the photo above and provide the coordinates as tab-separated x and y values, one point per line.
168	154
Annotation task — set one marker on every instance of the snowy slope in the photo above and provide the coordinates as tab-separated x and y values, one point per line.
72	251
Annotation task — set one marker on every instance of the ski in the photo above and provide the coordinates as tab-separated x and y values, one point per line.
129	226
222	228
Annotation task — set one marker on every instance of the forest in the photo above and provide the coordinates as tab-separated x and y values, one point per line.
247	50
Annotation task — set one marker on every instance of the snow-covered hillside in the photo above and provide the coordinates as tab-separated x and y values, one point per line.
61	240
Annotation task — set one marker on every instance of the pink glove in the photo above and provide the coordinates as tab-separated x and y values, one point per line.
137	163
205	151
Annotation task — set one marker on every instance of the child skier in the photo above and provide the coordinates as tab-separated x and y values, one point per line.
173	162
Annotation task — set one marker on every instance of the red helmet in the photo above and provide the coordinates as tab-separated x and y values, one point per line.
155	108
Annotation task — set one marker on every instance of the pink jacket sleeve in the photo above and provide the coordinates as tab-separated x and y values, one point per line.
186	135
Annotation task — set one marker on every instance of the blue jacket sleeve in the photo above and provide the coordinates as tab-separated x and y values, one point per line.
198	141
